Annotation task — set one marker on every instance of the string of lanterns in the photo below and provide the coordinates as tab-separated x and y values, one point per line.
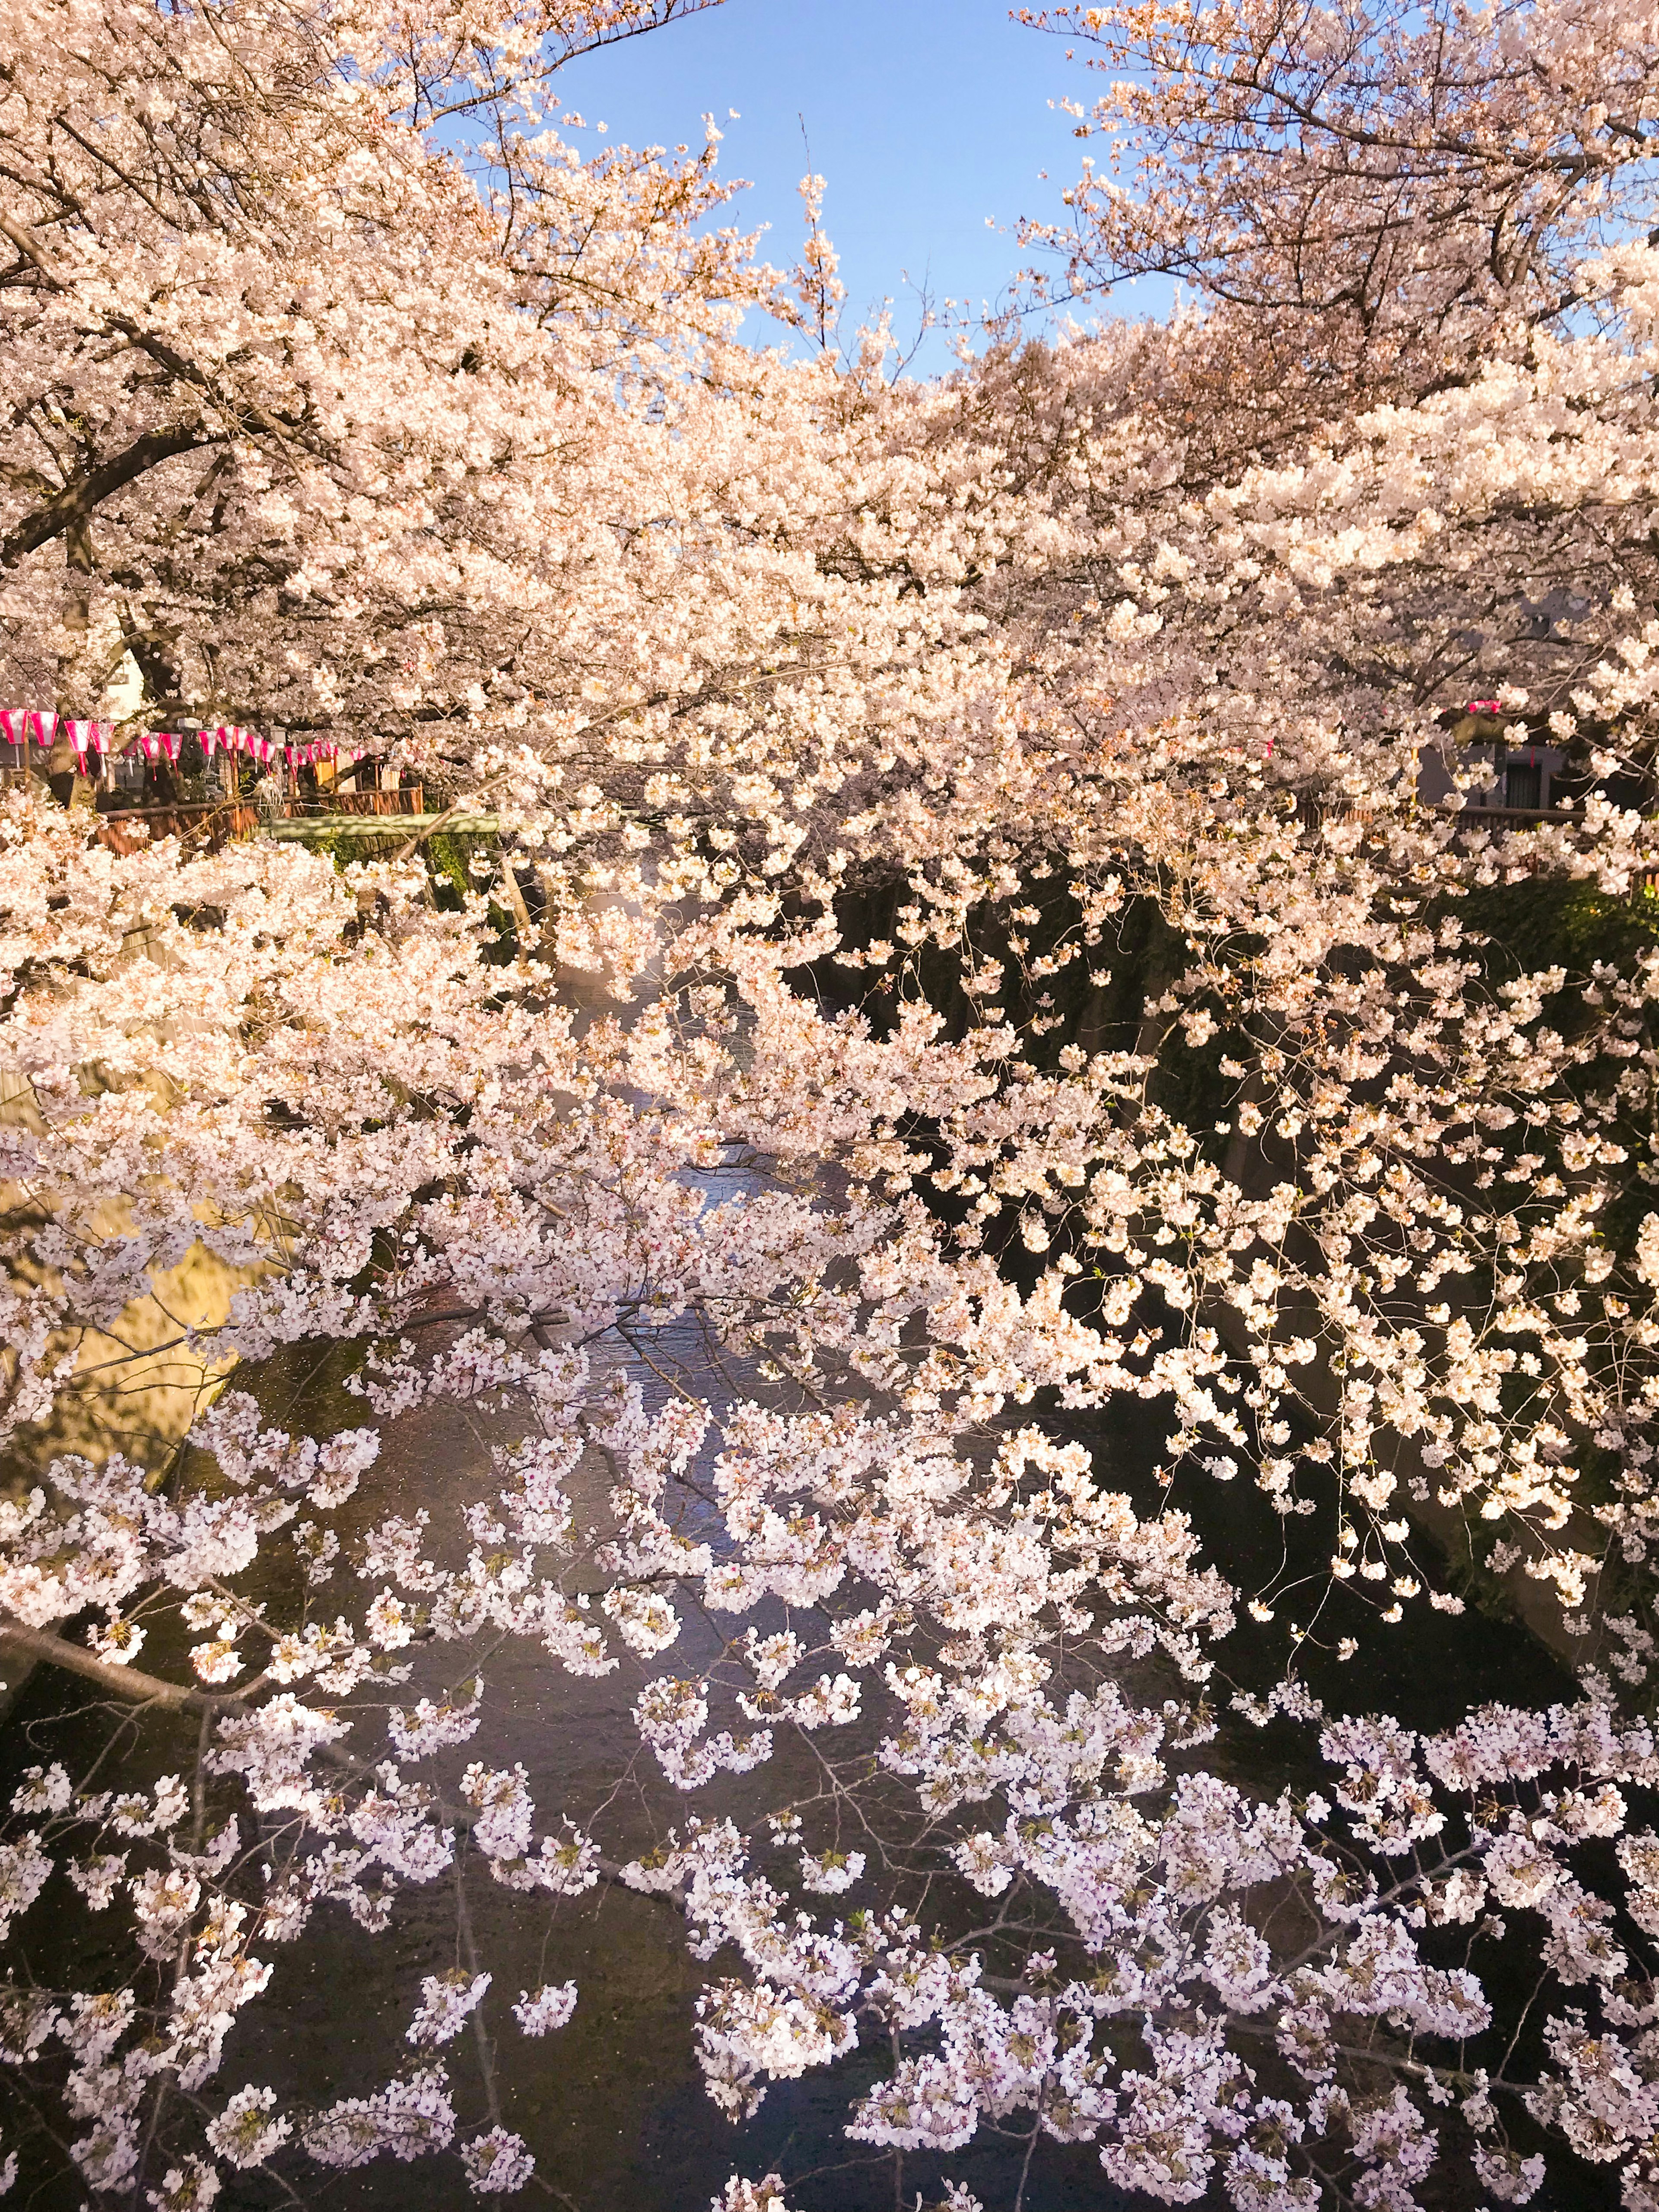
41	725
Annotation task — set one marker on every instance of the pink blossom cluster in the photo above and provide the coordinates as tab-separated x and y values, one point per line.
992	934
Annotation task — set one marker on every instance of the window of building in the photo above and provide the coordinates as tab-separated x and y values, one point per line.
1523	784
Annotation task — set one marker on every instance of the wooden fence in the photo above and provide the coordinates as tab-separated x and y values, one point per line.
411	800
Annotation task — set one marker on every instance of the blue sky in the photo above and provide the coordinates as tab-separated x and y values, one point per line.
926	118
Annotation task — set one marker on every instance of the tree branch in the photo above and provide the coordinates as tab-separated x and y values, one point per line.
79	500
127	1682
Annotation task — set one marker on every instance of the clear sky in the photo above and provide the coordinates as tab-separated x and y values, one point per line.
926	118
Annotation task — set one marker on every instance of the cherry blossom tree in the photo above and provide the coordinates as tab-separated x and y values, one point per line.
1372	199
846	735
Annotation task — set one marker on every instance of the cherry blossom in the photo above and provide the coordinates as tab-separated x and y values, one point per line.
994	922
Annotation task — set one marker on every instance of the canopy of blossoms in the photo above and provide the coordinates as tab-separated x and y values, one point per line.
970	949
